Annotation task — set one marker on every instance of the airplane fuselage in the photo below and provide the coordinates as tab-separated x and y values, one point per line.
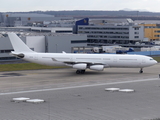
81	62
108	60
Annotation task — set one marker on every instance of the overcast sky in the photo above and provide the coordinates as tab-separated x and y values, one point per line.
44	5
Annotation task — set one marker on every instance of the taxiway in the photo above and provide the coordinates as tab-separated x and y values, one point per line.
70	96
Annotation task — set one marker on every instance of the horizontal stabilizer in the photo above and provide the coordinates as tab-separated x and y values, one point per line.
19	55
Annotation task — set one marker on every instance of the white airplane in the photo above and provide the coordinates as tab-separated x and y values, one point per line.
81	62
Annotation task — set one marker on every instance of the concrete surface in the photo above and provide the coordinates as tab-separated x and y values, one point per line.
70	96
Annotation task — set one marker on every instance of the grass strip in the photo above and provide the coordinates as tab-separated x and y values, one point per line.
25	66
157	58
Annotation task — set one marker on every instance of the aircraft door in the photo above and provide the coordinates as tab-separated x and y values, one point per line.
72	58
114	59
36	57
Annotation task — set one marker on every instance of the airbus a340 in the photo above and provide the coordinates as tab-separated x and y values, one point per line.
81	62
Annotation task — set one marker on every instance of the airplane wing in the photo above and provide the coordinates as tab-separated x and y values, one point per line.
69	62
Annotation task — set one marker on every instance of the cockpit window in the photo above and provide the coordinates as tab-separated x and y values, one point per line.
151	59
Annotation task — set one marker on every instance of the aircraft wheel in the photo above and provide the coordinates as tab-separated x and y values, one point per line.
141	71
82	71
78	71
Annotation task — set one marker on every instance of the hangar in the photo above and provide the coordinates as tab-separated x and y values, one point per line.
43	42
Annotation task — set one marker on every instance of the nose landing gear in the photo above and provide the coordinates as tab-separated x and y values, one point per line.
141	70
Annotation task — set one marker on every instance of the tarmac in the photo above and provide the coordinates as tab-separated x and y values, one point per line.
69	96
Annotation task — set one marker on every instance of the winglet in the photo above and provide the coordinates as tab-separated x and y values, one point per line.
18	44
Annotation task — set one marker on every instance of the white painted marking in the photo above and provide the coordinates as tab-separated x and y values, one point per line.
112	89
126	90
20	99
82	86
35	101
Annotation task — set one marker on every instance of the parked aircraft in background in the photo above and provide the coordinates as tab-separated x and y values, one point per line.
81	62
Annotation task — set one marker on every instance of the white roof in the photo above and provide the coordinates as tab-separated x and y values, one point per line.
147	21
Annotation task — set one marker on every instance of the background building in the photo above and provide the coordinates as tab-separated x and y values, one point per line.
28	19
112	34
94	32
43	42
152	31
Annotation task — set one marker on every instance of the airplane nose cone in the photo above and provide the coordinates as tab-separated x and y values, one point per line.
155	62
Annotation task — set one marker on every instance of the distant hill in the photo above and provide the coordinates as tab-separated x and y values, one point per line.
102	14
109	13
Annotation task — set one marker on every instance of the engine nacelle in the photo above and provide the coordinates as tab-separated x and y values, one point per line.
97	67
80	66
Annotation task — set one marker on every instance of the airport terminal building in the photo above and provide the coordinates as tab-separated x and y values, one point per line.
112	34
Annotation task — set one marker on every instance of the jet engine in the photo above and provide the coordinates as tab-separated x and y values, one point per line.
97	67
80	66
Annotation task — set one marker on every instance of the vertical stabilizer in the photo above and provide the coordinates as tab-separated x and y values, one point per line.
17	44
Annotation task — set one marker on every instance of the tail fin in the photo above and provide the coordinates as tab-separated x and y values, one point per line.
18	44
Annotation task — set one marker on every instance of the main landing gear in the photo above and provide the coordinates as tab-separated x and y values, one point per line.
141	70
80	71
